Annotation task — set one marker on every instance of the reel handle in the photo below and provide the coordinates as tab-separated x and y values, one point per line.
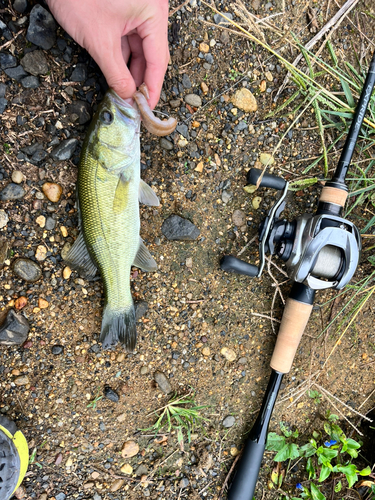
268	180
232	264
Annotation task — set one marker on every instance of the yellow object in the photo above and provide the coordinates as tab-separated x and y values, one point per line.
22	448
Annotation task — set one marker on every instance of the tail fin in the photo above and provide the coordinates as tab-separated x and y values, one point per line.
119	326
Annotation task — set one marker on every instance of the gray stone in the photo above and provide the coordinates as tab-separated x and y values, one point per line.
27	270
110	394
57	349
226	196
60	496
80	111
65	150
7	61
219	19
14	330
209	58
50	223
175	103
141	470
229	421
184	482
186	81
20	6
3	218
12	192
177	228
3	89
4	30
165	144
30	82
16	73
182	129
162	382
42	28
141	308
35	63
79	73
3	104
193	100
39	155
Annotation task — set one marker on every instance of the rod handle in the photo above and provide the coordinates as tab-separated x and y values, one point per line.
333	195
246	475
293	323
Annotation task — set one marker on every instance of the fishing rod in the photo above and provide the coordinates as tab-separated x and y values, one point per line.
320	251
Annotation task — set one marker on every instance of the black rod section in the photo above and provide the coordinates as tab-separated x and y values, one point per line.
246	475
338	180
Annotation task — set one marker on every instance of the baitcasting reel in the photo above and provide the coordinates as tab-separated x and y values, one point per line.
320	251
14	458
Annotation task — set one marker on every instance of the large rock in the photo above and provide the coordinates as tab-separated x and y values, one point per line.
12	192
35	63
14	330
177	228
42	28
80	111
16	73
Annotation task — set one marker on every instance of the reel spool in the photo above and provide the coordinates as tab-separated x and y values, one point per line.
14	458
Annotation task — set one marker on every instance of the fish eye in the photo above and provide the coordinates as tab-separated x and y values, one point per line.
106	117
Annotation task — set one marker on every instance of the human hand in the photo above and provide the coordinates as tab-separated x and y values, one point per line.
115	31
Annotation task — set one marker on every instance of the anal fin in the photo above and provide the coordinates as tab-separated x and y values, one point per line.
144	259
78	258
147	195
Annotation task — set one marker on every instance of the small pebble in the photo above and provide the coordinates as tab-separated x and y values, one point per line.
184	483
57	349
244	100
27	270
162	382
111	394
129	449
17	176
256	201
67	272
238	218
193	100
229	421
3	218
41	253
41	221
52	191
127	469
228	354
117	484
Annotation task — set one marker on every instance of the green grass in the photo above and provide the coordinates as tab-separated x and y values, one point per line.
180	414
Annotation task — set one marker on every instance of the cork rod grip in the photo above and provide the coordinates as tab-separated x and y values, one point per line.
293	324
333	195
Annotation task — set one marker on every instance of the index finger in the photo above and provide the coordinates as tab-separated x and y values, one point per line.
156	53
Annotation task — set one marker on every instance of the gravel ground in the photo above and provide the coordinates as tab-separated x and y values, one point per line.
197	327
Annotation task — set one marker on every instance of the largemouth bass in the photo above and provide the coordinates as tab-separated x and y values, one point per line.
109	189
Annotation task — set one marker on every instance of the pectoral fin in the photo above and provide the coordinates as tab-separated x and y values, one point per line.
78	258
144	259
147	195
121	196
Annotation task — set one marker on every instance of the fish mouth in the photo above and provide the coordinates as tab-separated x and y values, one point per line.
124	106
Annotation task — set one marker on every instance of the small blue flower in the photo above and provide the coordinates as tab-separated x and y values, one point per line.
299	486
330	443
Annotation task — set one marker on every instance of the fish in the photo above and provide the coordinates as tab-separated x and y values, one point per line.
109	190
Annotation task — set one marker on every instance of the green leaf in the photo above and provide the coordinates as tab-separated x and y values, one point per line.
284	429
310	468
350	473
288	452
352	445
338	487
315	493
275	442
347	92
307	450
326	455
324	473
364	472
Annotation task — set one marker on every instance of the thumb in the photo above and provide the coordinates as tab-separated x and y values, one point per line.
117	73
